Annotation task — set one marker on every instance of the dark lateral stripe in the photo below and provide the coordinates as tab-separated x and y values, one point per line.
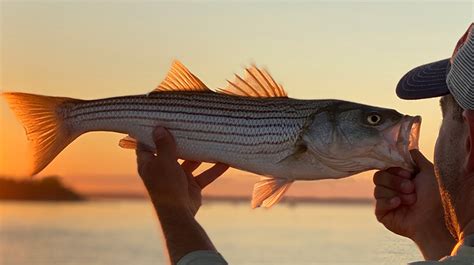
225	116
251	135
229	108
239	143
276	125
142	105
198	97
235	143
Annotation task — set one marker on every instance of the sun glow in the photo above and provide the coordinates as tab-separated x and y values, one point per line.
307	47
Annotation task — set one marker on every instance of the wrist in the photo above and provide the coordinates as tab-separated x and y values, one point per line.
168	202
434	243
172	209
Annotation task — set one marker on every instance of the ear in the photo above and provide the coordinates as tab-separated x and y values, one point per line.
469	119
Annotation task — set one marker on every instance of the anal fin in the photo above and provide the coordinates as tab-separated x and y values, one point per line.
269	191
128	142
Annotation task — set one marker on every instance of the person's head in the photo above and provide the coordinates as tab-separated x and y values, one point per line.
453	80
451	156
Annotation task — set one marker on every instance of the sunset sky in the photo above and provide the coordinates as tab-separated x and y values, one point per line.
355	51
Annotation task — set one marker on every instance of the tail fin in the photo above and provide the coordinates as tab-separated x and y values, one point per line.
42	119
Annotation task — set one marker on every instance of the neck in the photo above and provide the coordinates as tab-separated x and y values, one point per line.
465	237
468	229
463	207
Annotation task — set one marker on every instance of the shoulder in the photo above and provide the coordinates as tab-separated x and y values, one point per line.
202	257
462	255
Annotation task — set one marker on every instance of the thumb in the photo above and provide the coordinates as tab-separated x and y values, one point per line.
420	160
165	145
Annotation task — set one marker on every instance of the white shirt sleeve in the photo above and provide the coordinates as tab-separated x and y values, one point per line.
463	255
202	257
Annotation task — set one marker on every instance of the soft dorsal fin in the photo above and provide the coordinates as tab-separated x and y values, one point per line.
179	78
256	83
269	191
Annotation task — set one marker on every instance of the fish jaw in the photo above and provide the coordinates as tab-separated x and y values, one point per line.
402	138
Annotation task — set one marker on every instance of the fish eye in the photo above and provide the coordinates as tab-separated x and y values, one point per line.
374	119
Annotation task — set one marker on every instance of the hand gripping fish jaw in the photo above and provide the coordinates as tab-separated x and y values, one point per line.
403	138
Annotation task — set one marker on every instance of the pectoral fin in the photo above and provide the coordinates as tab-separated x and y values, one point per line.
269	191
128	142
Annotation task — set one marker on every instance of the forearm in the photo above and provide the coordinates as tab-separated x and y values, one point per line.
182	232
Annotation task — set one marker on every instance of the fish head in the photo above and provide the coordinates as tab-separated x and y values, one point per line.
351	138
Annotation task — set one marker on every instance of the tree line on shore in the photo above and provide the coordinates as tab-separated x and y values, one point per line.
42	189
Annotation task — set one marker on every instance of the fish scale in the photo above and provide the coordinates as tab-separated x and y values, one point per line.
219	127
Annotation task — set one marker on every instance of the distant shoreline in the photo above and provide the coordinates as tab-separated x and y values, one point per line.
294	200
52	189
240	199
45	189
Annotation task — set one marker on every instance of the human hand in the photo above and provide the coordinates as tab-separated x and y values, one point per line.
169	183
176	194
410	205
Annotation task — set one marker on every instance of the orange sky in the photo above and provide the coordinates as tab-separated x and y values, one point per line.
353	51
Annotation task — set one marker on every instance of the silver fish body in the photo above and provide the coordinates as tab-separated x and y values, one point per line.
252	125
252	134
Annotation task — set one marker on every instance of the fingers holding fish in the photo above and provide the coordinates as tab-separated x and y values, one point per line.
165	144
165	149
208	176
393	189
144	158
385	206
400	172
421	161
189	166
196	184
383	193
398	183
143	154
156	170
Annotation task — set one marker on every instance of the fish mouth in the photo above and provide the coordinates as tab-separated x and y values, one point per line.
409	136
405	137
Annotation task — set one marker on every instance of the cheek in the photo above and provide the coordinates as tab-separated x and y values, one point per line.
442	152
450	149
439	146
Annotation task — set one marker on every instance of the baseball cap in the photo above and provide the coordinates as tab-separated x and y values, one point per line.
454	75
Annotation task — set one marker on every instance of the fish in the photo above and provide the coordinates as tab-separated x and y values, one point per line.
251	124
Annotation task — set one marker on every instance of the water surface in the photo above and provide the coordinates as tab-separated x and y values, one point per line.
126	232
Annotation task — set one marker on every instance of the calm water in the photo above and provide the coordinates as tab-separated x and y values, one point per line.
126	232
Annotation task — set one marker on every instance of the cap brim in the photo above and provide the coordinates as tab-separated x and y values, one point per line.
426	81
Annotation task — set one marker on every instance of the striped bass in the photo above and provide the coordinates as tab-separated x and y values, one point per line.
250	125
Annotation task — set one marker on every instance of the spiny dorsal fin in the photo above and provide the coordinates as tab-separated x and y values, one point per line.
269	191
179	78
256	83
